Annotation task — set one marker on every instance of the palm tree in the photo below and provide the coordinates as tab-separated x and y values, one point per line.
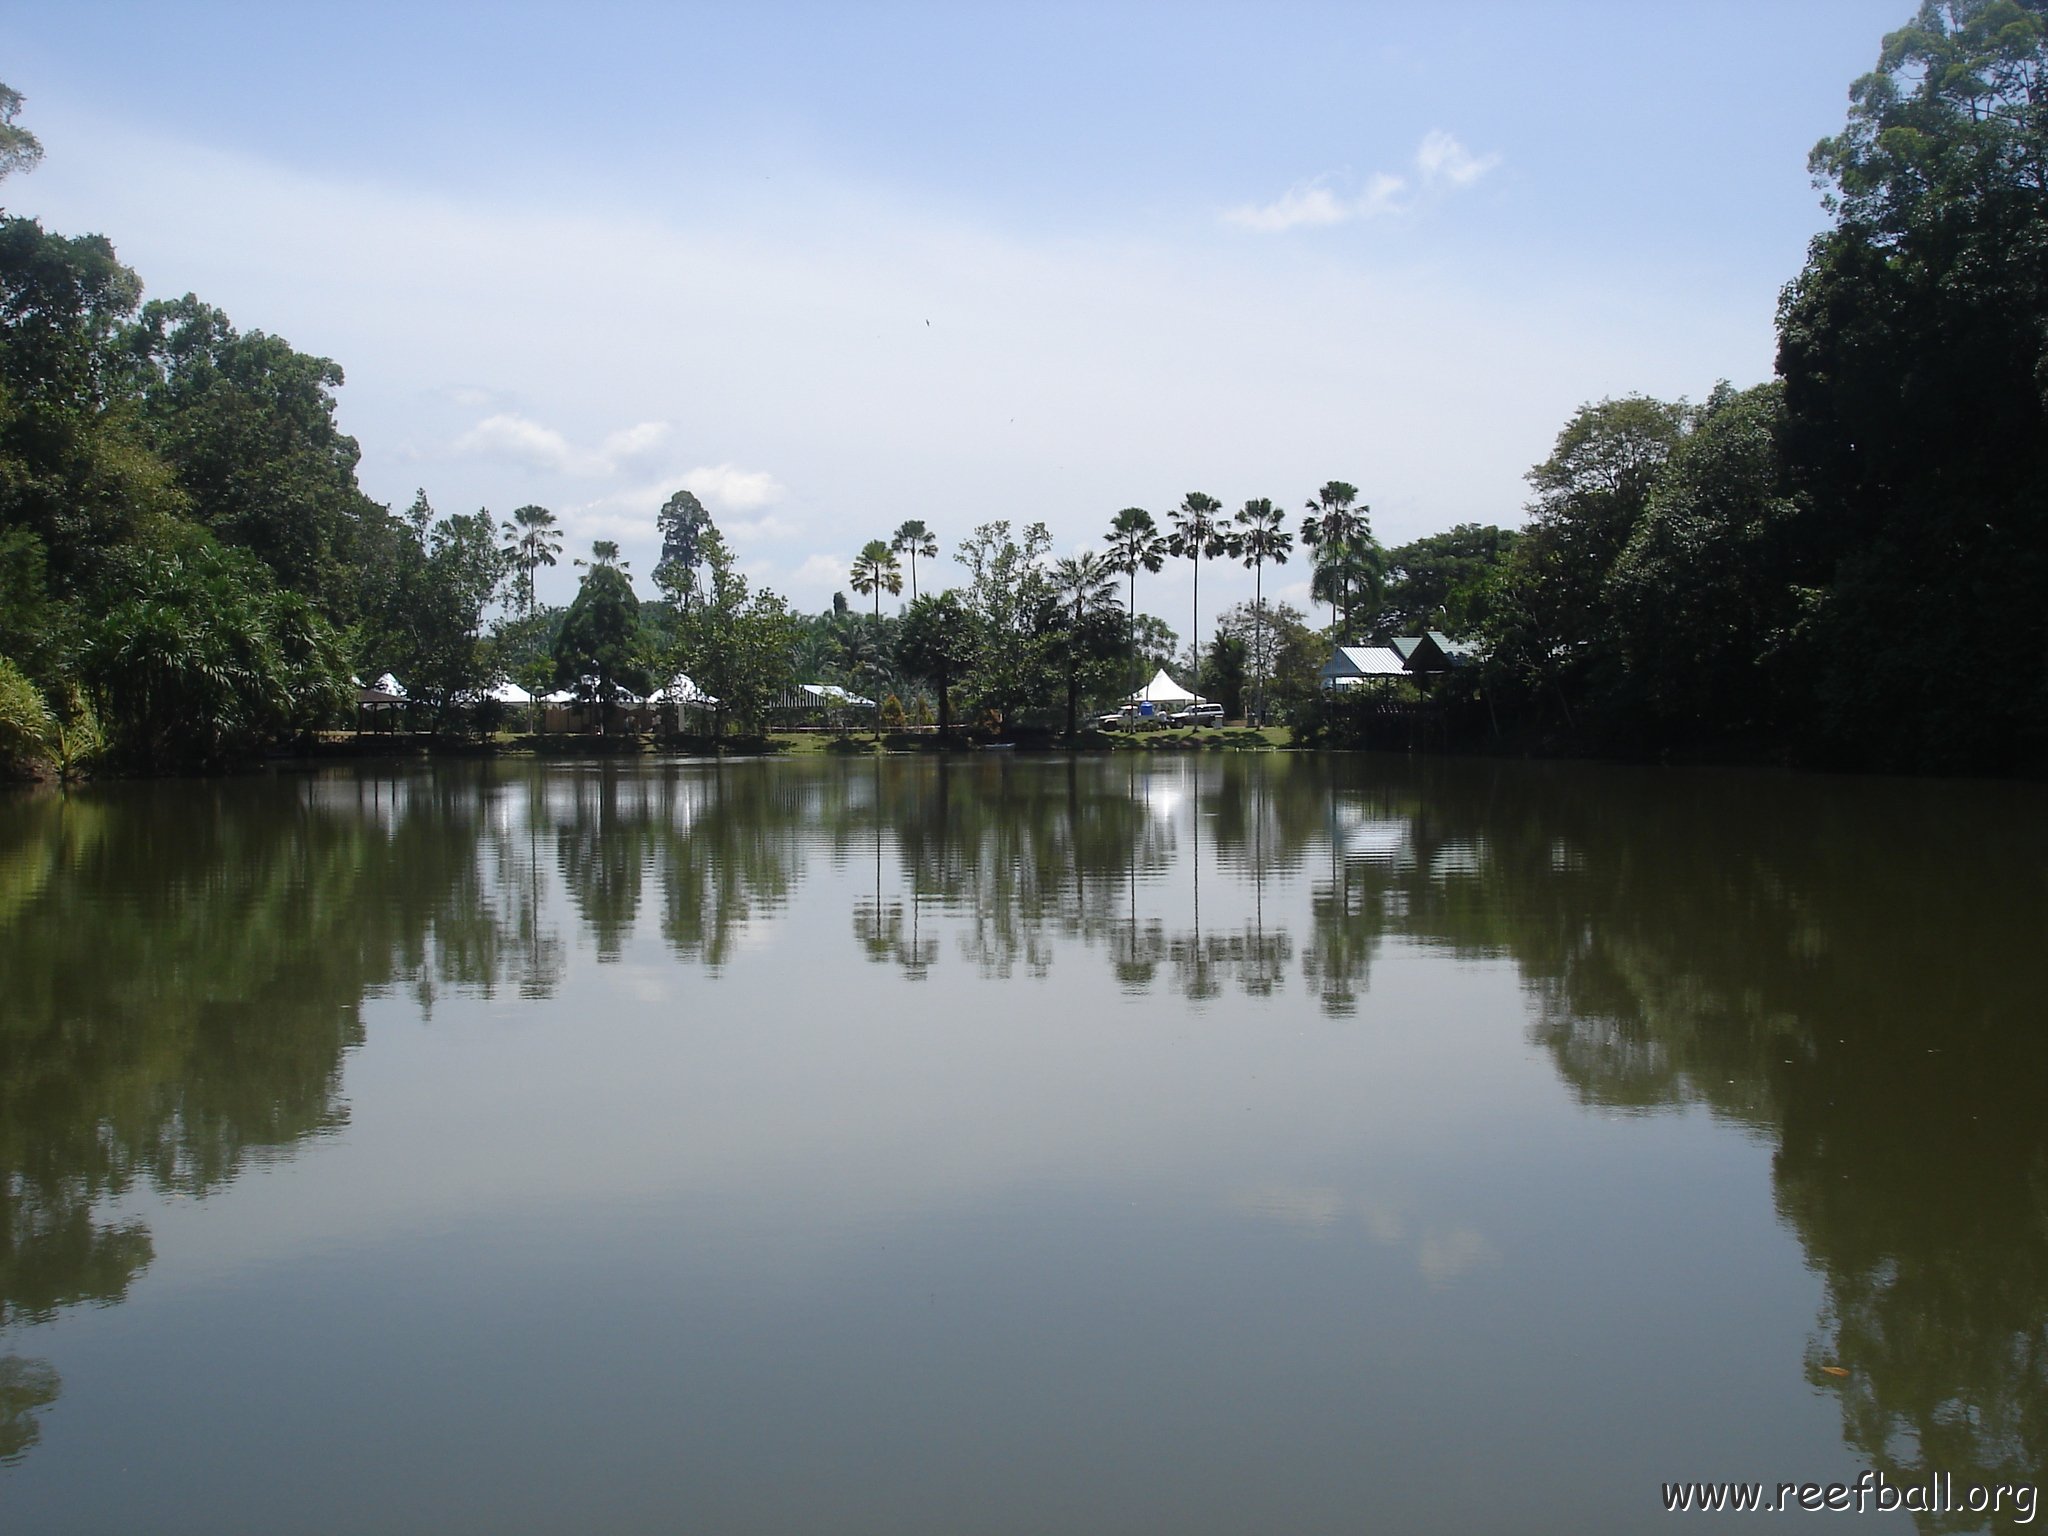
1265	537
603	553
875	570
1329	523
914	539
1198	535
1086	589
1347	571
532	540
1087	582
1134	541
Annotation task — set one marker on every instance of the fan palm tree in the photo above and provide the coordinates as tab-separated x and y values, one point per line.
532	540
1349	572
603	553
1329	523
1086	584
874	571
1264	537
1199	535
1135	541
914	539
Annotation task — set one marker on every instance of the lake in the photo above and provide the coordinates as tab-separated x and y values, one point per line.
1015	1144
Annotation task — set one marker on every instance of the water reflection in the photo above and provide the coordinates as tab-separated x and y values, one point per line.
1852	972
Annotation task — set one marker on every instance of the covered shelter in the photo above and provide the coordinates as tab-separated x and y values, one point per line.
1358	666
378	703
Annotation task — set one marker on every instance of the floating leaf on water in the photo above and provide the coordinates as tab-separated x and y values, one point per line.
1836	1370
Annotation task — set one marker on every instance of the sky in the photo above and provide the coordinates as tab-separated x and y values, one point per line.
835	266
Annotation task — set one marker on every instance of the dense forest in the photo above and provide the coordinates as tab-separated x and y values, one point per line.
1842	566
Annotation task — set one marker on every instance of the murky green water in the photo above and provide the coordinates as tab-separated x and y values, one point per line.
1014	1145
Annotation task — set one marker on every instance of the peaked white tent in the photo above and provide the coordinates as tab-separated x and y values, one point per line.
1163	690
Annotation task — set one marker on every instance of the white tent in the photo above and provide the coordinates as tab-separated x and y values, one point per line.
681	689
1163	690
391	685
511	693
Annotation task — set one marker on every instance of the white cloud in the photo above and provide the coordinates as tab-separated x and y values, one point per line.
826	570
1440	162
1443	159
746	530
636	442
733	488
522	441
1306	203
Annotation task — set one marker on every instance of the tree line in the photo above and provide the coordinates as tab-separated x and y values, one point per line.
1842	566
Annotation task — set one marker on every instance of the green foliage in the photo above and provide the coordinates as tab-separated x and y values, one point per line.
20	150
1228	674
27	728
1914	353
1444	581
939	642
875	571
892	715
427	626
1008	592
207	662
597	648
736	644
1704	616
247	426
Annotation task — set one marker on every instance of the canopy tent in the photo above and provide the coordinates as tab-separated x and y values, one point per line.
1164	690
510	693
682	689
832	696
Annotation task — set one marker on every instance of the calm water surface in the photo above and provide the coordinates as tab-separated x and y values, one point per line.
1014	1145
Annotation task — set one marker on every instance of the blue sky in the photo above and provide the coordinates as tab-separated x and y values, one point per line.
833	266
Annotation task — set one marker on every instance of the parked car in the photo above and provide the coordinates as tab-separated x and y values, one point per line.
1199	714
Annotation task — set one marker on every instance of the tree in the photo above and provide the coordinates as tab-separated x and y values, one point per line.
1229	672
1007	593
1087	630
604	555
1330	525
1135	543
1442	581
875	571
1264	537
246	424
736	644
1548	611
1912	347
683	522
1198	535
597	649
1704	614
206	662
532	540
914	539
20	150
428	625
938	643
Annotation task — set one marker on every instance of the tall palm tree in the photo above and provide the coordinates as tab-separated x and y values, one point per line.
1329	523
532	540
874	571
1199	535
1135	541
1264	537
914	539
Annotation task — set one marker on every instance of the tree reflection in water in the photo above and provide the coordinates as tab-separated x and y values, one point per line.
187	966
